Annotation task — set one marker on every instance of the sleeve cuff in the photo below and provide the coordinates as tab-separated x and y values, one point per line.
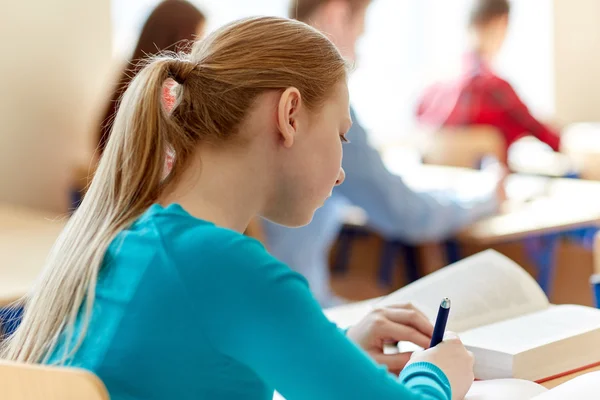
427	379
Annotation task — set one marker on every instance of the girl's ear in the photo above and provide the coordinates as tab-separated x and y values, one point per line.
288	110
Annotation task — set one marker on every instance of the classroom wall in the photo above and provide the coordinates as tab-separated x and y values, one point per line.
577	60
55	60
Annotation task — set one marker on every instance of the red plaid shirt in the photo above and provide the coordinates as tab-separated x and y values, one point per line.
480	97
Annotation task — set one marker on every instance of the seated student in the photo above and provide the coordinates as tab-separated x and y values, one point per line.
170	26
394	210
479	96
153	287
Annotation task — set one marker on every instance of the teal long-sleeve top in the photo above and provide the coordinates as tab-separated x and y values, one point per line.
188	310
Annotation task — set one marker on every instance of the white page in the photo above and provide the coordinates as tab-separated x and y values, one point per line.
484	288
534	330
504	389
584	387
349	314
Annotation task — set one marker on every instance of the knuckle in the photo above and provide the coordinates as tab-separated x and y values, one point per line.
453	341
378	310
379	320
411	314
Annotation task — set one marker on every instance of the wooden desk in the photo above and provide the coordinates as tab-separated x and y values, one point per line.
536	204
347	315
26	237
562	205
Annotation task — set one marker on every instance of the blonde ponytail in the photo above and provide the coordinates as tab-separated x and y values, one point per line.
218	83
127	182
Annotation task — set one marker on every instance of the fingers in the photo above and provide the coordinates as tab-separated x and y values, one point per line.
410	317
407	306
399	332
453	337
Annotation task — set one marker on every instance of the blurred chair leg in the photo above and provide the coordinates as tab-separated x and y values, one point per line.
389	253
595	284
387	262
412	263
344	251
595	278
452	251
582	236
542	252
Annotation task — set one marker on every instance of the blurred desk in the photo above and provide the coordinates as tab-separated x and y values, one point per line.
538	209
549	164
536	205
530	156
526	156
26	237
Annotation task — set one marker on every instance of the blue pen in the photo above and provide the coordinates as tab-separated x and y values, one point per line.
440	322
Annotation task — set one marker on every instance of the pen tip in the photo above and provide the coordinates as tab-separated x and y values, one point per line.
445	303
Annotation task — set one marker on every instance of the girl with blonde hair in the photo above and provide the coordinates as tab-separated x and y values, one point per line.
152	285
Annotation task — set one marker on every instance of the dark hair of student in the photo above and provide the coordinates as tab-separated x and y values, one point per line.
484	11
303	10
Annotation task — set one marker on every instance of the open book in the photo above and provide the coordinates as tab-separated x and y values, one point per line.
506	320
584	387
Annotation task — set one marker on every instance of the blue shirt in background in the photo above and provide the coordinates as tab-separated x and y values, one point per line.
393	209
187	310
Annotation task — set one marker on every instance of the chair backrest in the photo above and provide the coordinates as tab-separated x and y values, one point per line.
36	382
463	146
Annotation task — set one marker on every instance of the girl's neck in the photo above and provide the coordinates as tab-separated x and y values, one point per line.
219	187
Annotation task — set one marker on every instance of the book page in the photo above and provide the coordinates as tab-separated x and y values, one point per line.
534	330
584	387
349	314
504	389
484	288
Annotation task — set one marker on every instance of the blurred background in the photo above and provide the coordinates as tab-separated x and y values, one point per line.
62	57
